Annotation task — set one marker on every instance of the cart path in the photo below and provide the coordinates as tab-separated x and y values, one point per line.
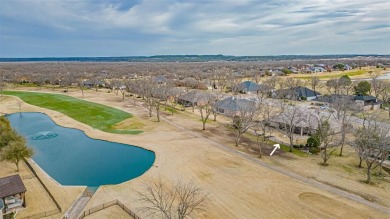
77	207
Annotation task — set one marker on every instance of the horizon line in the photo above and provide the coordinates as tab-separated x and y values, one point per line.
151	56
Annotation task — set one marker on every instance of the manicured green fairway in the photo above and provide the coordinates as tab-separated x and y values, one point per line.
96	115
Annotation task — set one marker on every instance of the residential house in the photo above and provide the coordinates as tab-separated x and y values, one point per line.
305	122
249	87
367	102
361	102
296	93
231	106
294	70
188	99
12	194
91	84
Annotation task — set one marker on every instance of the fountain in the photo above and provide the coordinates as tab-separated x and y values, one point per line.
44	135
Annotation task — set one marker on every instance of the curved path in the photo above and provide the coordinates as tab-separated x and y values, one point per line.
295	176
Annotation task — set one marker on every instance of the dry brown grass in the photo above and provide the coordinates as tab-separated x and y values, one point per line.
237	187
113	212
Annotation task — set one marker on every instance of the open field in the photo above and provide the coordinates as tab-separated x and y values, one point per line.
96	115
237	187
354	74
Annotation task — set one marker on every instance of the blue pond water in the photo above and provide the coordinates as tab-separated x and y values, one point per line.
72	158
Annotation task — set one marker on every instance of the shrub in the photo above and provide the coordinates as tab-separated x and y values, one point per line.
313	142
314	150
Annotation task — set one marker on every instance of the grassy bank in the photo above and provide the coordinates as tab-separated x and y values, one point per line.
96	115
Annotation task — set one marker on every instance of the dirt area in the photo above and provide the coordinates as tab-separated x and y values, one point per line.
381	114
237	187
35	190
113	212
342	172
37	199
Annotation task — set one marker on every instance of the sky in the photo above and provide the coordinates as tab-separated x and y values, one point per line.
70	28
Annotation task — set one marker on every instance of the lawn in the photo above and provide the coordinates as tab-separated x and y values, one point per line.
96	115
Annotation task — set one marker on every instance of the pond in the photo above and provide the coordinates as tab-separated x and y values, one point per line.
72	158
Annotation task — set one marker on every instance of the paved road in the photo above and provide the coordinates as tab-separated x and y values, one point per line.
295	176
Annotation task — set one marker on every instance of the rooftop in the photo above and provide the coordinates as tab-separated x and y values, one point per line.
11	185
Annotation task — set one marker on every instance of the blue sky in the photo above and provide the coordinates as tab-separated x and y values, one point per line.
52	28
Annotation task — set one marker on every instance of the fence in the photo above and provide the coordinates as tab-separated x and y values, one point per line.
44	214
107	205
44	186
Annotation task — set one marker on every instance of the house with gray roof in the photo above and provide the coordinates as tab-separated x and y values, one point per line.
360	102
249	87
297	93
366	102
232	105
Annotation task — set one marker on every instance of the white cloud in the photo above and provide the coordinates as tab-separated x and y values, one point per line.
236	27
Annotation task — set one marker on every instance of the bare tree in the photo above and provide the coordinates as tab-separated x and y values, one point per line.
123	90
19	103
116	85
205	104
168	201
173	95
96	82
372	143
271	81
332	84
245	113
133	88
233	80
382	91
80	82
314	82
221	79
68	79
342	105
214	109
346	85
291	118
53	78
325	137
159	94
147	89
266	112
340	85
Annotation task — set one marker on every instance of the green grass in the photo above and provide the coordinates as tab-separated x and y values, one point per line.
338	75
294	151
169	109
286	148
96	115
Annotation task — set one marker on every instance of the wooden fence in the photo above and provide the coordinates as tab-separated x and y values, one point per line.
107	205
44	214
44	186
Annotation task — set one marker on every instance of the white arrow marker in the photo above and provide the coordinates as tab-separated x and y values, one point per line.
276	146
